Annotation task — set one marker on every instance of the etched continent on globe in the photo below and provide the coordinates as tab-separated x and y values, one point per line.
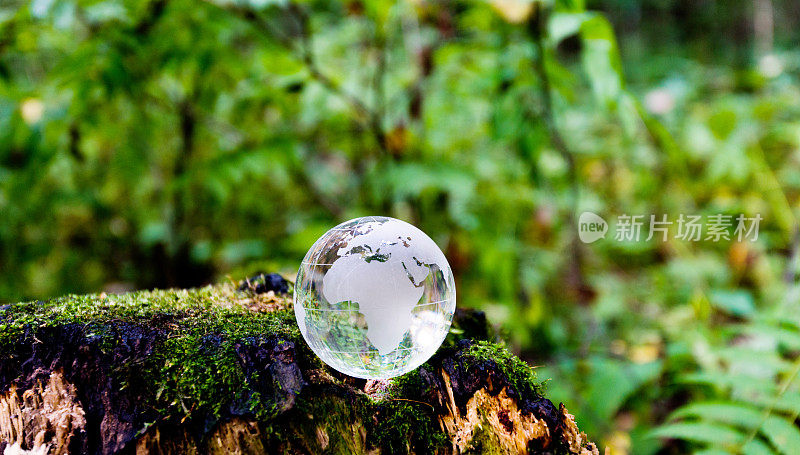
382	273
374	297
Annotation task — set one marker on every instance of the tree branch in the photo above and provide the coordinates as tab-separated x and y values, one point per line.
370	119
537	30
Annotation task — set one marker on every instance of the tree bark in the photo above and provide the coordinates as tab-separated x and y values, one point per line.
223	369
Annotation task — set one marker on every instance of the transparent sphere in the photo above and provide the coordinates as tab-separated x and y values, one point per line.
374	297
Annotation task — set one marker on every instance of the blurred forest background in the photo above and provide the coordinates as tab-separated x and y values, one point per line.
156	143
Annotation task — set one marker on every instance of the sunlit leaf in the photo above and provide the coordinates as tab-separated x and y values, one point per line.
708	433
784	435
735	414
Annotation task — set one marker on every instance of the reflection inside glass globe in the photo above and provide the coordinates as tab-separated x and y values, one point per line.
374	297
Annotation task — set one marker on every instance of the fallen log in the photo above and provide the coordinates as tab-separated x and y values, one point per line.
224	369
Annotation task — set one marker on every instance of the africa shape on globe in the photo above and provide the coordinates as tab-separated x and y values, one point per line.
374	297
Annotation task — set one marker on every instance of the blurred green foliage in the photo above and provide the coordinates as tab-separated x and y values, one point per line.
154	143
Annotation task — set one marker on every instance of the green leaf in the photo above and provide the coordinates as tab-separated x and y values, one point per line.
756	447
722	123
735	414
788	402
563	25
725	380
787	338
759	363
737	303
600	55
611	382
784	435
601	59
712	452
707	433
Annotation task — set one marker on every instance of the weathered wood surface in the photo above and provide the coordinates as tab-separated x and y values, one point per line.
223	369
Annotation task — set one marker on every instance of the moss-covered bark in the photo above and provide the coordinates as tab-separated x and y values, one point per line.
223	369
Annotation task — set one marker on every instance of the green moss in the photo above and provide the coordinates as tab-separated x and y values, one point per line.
483	442
211	307
341	419
521	376
405	424
197	371
469	324
194	369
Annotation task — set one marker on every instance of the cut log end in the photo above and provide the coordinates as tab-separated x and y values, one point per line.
223	369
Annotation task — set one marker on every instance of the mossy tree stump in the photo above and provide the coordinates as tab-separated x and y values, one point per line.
223	369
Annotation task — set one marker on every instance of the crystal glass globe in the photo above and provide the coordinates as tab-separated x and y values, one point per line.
374	297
